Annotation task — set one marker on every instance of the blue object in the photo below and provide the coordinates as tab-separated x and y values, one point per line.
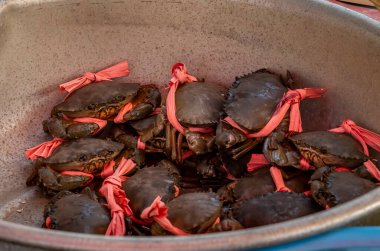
350	239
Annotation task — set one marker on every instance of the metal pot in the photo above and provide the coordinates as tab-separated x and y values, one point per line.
45	43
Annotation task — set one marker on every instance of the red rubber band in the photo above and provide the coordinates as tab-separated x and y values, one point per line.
108	169
118	70
78	173
364	137
157	211
120	116
291	100
278	180
117	201
43	150
140	145
257	161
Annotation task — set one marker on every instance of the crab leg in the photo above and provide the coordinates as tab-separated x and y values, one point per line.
173	144
246	147
168	139
179	147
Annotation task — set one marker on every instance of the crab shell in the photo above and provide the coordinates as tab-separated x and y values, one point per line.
330	188
99	100
253	98
86	155
199	104
77	213
260	182
323	148
194	213
148	183
142	124
273	208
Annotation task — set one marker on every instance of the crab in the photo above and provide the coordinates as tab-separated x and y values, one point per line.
85	156
274	208
260	182
194	213
250	103
198	105
279	150
80	213
102	101
202	173
148	183
227	222
330	188
323	148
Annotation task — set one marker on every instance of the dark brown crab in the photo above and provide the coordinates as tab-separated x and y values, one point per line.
87	155
330	188
193	213
80	213
260	182
279	150
198	105
323	148
101	100
251	101
148	183
273	208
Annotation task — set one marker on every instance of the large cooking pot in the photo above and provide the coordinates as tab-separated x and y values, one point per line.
45	43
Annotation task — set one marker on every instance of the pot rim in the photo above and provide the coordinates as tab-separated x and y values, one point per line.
243	239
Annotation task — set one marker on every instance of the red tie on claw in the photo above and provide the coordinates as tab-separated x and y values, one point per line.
364	137
118	70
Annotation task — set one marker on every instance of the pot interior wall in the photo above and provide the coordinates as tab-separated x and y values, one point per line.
45	43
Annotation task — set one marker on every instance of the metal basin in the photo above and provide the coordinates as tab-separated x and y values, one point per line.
45	43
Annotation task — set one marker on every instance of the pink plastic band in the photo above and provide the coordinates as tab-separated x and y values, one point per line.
278	180
101	123
118	70
120	116
291	100
108	169
43	150
342	169
77	173
117	201
364	137
257	161
48	222
157	211
180	76
307	193
140	145
187	154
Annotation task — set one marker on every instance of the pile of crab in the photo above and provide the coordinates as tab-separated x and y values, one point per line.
128	159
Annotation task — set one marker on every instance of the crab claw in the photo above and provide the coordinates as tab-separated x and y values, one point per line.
227	136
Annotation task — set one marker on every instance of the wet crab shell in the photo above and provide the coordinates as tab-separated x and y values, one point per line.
199	104
148	183
330	188
77	213
273	208
90	99
323	148
253	98
261	183
142	124
77	155
194	213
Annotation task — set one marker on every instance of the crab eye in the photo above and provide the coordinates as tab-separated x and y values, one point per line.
91	107
118	98
83	158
